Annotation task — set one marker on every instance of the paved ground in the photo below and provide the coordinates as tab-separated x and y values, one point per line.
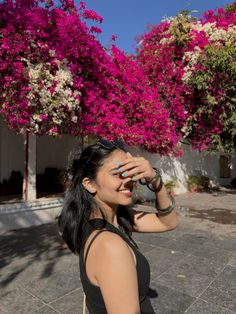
193	267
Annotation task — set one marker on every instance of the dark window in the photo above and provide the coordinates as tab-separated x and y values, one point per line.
225	171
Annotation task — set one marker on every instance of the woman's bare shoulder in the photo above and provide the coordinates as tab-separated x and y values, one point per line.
110	242
115	274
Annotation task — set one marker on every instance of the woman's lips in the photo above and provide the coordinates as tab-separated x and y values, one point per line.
126	192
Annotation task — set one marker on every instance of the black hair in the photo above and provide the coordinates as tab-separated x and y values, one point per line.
79	203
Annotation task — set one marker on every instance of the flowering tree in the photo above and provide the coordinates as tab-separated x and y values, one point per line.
56	78
192	65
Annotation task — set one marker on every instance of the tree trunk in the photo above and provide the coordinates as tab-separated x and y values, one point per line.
29	185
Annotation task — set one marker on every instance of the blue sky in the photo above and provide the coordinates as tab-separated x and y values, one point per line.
129	18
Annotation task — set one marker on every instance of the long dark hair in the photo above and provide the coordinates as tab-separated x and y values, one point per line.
79	203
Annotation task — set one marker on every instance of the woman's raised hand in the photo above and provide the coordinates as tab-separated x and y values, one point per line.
136	168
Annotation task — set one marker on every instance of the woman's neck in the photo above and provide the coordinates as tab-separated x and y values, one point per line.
106	213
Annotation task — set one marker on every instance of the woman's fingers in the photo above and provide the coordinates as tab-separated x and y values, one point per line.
138	177
132	172
133	165
137	173
130	163
129	155
147	175
136	168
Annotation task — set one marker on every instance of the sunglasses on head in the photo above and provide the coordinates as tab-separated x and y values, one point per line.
108	145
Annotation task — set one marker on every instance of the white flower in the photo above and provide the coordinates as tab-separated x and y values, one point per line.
191	57
74	119
166	40
208	28
49	97
52	53
37	118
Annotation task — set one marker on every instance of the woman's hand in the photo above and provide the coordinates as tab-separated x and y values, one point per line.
136	168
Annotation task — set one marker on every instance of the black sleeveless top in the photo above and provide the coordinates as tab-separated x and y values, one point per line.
94	299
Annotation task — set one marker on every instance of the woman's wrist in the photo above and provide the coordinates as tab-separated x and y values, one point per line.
156	183
167	210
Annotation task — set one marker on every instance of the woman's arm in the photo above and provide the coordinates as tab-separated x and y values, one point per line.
138	168
152	222
156	222
115	272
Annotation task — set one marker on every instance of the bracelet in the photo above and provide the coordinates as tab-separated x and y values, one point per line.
167	210
156	190
157	175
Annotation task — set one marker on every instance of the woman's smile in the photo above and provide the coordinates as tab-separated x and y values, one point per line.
126	192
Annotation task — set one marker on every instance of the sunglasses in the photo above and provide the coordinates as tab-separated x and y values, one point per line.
110	145
107	145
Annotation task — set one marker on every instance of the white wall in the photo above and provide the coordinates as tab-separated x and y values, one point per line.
53	152
191	162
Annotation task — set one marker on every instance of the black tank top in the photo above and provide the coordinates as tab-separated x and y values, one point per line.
94	299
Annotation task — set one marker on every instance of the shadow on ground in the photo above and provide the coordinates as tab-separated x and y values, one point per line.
193	268
23	248
219	215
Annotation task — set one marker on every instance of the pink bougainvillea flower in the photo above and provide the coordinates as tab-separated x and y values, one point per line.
185	61
56	78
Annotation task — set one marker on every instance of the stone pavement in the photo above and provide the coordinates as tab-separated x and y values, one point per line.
193	267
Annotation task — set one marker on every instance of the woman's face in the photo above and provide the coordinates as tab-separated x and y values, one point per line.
111	188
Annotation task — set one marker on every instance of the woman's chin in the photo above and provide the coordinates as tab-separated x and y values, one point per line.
127	202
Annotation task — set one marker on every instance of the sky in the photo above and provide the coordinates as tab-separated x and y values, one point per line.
129	18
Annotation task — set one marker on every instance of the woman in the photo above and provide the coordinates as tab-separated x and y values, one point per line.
97	220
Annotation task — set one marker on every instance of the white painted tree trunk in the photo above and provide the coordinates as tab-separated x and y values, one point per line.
29	185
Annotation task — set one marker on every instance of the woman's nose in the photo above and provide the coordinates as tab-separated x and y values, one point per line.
127	182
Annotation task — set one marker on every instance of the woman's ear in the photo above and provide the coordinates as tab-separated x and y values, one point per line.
89	185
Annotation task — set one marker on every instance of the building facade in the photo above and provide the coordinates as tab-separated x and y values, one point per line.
48	153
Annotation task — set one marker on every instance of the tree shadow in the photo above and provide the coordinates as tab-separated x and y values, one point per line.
29	247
